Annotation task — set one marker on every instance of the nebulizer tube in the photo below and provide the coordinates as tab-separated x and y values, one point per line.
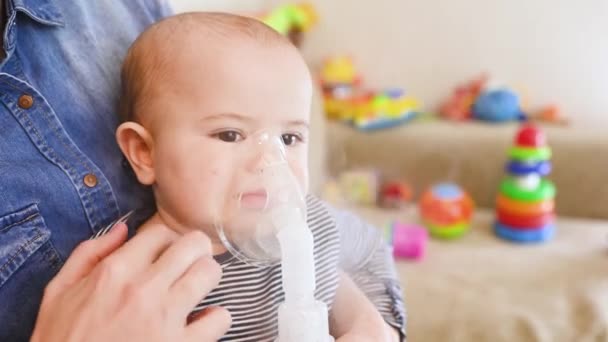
263	222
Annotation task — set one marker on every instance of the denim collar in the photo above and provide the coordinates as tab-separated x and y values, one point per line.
42	11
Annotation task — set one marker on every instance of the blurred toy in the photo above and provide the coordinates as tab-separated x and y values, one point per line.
500	105
551	114
346	100
339	82
292	20
396	194
338	71
459	105
407	241
525	205
359	187
483	99
487	100
446	210
386	109
332	192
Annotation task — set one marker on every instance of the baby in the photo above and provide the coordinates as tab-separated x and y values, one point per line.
198	87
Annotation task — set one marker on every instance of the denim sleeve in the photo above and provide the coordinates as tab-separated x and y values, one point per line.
367	259
163	9
150	10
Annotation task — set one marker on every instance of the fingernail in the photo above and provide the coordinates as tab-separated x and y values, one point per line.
125	217
193	316
117	224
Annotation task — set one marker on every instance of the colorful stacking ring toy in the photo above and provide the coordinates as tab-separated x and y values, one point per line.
535	235
530	153
518	168
524	208
524	222
526	203
544	192
530	136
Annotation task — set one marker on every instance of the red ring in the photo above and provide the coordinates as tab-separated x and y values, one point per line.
527	222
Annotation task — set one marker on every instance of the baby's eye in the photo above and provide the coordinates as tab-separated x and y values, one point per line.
290	139
229	136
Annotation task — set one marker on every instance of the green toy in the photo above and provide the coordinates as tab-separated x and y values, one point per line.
289	17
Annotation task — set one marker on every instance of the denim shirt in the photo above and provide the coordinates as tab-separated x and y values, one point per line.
62	176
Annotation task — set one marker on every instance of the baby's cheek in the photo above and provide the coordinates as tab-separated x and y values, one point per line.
304	181
216	185
300	172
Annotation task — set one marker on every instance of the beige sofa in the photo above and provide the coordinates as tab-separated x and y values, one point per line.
473	155
480	288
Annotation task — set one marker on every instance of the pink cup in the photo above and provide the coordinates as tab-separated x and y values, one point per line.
409	241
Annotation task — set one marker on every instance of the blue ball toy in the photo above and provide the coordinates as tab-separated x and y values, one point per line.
498	105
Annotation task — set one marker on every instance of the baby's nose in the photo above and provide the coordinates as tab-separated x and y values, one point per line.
269	150
264	159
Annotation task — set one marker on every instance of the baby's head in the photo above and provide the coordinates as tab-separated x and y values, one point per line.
196	90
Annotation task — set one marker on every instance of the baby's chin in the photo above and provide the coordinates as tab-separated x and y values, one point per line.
217	247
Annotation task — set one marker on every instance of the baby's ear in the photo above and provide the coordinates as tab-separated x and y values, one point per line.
137	145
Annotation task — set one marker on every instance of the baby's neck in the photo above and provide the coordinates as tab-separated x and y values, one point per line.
158	218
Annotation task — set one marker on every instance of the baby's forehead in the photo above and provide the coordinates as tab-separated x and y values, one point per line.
208	38
197	50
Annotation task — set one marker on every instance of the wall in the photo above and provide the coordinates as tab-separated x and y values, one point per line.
220	5
550	50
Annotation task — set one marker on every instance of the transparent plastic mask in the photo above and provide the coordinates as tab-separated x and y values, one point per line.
260	184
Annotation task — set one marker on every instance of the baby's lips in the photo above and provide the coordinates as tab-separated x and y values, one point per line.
256	199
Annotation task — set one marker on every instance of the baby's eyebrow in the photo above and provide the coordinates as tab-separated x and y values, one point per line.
240	117
234	116
301	123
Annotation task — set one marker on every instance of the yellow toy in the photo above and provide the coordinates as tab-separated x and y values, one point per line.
346	101
339	71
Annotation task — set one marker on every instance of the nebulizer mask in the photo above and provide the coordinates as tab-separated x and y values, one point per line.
262	221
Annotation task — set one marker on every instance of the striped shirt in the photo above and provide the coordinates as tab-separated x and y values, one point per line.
252	294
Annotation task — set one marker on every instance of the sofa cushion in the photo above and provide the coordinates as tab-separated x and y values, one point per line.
474	155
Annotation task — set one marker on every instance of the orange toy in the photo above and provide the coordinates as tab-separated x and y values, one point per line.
552	114
446	211
458	106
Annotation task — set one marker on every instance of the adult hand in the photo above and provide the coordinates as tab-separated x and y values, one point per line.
141	290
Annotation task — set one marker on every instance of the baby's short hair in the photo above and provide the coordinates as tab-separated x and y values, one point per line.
145	59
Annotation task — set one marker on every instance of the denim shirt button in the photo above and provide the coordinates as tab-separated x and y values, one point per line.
90	180
26	101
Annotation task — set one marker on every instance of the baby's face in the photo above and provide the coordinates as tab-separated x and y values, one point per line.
207	117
